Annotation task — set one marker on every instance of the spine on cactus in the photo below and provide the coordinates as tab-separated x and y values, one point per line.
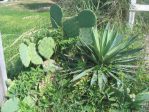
87	18
56	15
71	27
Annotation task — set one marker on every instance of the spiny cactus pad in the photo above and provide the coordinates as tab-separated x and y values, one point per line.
35	58
87	18
71	27
86	35
24	54
56	15
46	47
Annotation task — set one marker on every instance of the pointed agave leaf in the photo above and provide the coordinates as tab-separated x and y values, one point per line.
11	105
126	60
84	73
100	80
130	52
24	54
46	47
118	39
105	80
94	78
143	97
115	77
35	58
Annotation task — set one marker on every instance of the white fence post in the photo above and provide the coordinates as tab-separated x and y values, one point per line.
3	1
134	7
3	74
132	13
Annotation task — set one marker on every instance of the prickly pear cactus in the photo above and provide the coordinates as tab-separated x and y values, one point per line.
87	18
11	105
86	35
46	47
71	27
56	15
24	54
35	58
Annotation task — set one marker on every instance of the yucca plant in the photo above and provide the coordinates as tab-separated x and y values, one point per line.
110	54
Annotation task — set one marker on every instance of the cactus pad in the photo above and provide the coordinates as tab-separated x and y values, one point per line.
56	15
86	35
87	18
71	27
46	47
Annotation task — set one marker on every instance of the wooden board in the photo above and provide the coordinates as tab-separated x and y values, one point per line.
3	76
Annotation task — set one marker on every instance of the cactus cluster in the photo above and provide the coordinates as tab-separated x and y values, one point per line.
71	25
29	54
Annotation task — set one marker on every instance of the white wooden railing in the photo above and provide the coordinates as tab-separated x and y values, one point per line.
3	74
134	7
3	1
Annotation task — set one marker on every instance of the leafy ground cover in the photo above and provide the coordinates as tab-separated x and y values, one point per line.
72	65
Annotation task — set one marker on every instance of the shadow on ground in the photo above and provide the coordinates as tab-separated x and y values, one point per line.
36	6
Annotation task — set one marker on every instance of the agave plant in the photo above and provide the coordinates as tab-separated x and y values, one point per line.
110	54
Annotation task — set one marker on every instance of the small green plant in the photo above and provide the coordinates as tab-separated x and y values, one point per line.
25	83
56	15
108	54
29	54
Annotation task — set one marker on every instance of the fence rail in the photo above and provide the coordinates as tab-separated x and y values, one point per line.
134	7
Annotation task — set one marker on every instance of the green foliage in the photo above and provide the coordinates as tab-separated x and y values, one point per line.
56	15
25	83
35	58
24	54
29	54
50	65
87	18
46	47
11	105
109	54
103	68
71	27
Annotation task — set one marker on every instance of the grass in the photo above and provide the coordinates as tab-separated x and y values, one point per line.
13	22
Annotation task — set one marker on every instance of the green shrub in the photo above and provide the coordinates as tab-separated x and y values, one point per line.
28	52
25	83
108	54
